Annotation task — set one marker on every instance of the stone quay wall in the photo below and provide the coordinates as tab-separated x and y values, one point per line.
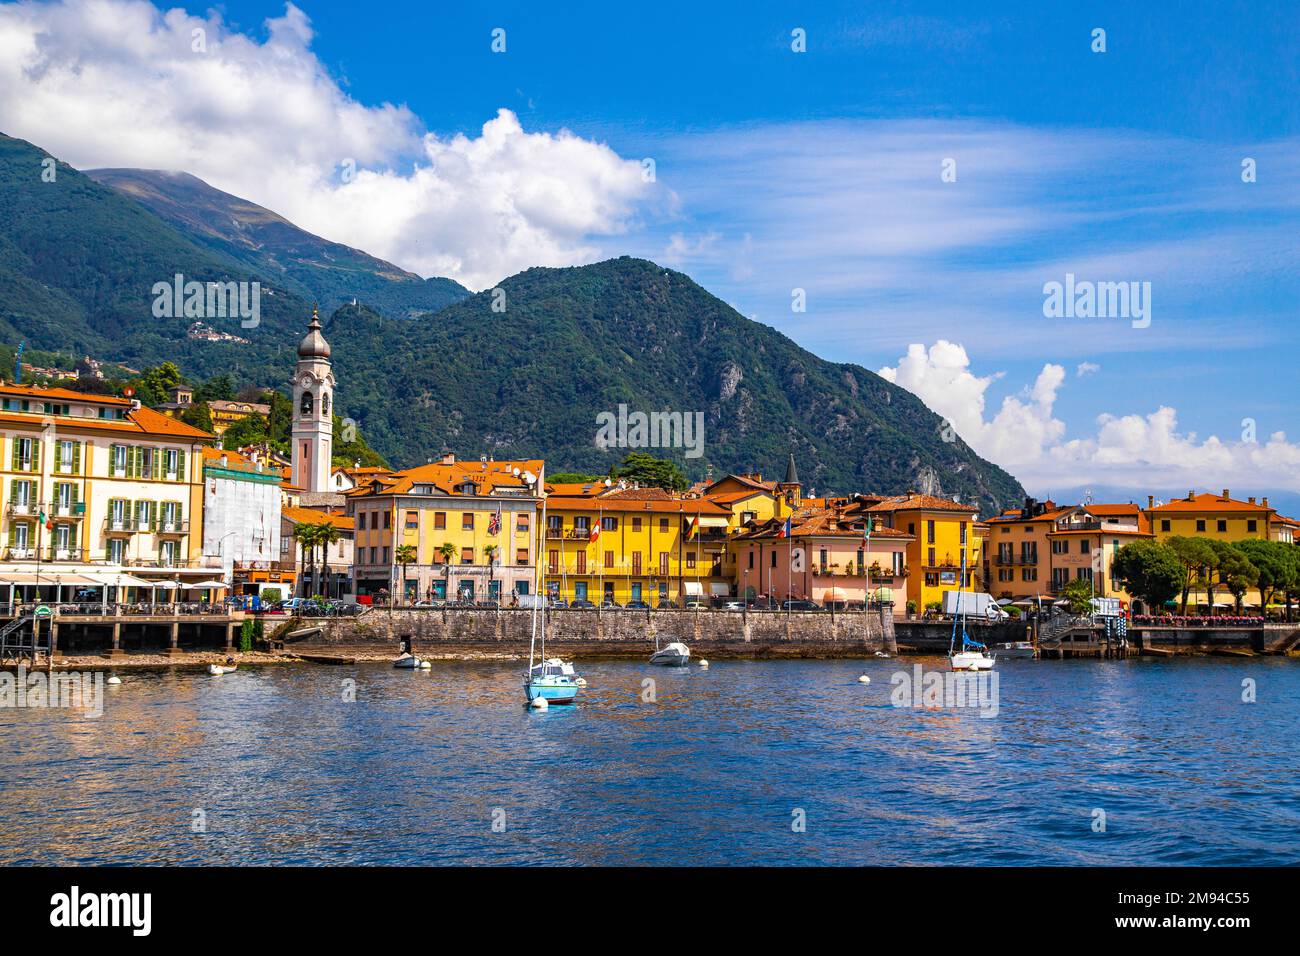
605	633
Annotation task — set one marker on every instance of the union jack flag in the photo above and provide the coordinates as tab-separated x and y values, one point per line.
494	524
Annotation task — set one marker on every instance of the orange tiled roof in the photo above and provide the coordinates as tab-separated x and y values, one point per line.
447	479
141	421
821	523
312	516
920	503
1207	501
64	394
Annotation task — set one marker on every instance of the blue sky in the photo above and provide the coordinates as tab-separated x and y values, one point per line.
820	171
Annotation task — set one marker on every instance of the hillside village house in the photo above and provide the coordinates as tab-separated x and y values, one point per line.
611	543
119	486
940	532
471	526
825	556
241	528
1035	550
331	573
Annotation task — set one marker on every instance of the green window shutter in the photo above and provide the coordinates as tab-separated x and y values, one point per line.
14	465
58	454
76	495
180	512
153	516
137	461
181	473
76	458
36	454
13	490
13	533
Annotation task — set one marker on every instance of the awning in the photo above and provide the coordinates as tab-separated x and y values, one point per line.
835	594
205	584
719	588
694	587
20	579
713	521
162	585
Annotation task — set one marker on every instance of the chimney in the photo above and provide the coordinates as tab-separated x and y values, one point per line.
1264	502
1251	499
1191	495
1226	496
448	458
225	461
1151	501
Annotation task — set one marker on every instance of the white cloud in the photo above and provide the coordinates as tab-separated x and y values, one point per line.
119	83
1086	368
1139	451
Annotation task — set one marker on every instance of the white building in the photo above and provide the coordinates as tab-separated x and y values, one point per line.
241	518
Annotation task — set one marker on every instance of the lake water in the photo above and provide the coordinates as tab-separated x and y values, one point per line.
721	769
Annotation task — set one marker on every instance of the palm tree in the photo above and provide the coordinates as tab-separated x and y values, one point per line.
405	556
448	551
490	552
306	534
326	534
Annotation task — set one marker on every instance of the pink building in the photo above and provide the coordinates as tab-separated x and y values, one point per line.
825	557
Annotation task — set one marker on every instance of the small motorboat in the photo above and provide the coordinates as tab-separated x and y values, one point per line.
216	670
408	662
1015	650
675	654
553	680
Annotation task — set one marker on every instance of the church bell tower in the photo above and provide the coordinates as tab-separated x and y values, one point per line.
313	405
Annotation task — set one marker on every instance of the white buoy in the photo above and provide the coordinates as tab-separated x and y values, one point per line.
864	679
114	679
581	681
538	703
704	663
216	670
426	665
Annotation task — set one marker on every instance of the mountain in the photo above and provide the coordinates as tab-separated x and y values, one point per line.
574	343
79	260
313	268
78	264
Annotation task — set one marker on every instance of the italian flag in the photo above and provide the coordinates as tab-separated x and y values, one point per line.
694	529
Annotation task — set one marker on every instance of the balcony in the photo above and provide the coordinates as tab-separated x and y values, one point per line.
172	527
121	526
29	510
20	554
73	512
64	554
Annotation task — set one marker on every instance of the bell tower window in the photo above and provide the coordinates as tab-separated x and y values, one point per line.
307	403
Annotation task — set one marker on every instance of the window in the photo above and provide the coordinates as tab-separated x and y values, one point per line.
167	554
1200	524
64	452
821	559
307	404
412	520
963	532
690	559
636	562
773	558
521	523
25	455
386	554
929	533
439	520
20	496
388	520
608	524
663	525
663	562
521	556
609	559
1085	546
1164	525
929	557
117	550
751	559
467	521
1221	526
171	464
554	526
636	524
911	527
553	561
1250	525
466	555
931	579
580	566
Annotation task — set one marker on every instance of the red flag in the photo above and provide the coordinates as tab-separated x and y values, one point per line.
595	532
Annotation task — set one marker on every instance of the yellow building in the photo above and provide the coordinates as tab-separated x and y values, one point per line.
941	531
469	526
633	545
224	413
119	486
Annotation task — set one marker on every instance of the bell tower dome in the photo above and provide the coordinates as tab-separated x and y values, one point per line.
313	410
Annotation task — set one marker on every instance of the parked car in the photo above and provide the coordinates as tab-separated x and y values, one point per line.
696	604
584	605
733	606
667	606
637	606
608	605
558	603
799	604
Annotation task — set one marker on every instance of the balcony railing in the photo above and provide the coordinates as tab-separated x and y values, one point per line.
54	553
172	527
121	526
29	510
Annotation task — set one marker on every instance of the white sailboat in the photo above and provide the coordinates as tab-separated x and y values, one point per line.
552	680
970	655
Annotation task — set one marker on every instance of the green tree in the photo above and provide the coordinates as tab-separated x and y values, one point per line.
1149	570
199	416
1279	572
218	388
573	478
1079	593
1235	572
306	535
405	556
153	384
250	430
326	534
647	470
1195	556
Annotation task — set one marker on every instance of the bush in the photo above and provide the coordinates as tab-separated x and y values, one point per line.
911	607
246	632
1012	611
271	595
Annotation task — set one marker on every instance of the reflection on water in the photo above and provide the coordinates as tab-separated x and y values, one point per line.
286	770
